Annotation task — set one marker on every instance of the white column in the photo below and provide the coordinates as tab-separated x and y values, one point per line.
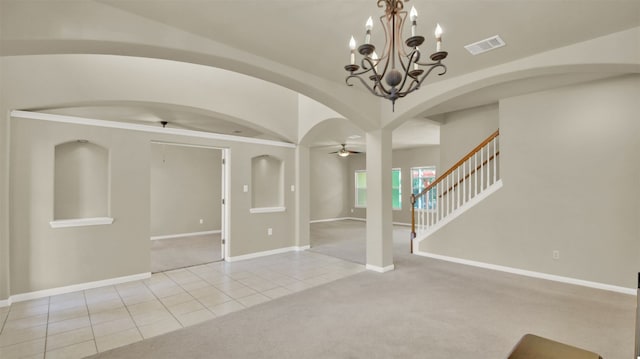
379	212
302	196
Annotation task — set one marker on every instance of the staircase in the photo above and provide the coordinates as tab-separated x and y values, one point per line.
465	184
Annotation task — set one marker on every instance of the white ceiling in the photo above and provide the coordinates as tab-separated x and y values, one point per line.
312	36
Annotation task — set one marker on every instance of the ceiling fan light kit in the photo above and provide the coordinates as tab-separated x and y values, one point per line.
400	67
344	152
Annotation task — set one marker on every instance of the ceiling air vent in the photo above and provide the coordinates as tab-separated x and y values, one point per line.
485	45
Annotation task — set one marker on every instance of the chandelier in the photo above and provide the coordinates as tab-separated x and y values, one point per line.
400	66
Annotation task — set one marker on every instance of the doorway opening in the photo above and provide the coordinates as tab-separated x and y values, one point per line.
188	224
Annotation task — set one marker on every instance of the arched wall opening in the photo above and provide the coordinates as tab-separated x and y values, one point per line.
431	96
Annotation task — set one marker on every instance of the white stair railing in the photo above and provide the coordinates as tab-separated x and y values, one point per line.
471	179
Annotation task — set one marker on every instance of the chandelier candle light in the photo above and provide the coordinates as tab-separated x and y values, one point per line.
401	67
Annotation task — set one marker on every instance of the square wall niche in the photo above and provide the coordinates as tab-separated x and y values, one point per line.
81	184
267	182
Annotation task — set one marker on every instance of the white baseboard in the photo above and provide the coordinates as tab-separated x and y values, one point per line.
527	273
402	224
181	235
353	219
266	253
80	222
328	220
5	302
338	219
73	288
380	269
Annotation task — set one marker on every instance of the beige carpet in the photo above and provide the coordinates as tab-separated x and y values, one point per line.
174	253
424	309
340	239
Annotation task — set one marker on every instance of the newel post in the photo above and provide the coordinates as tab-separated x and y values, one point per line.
413	220
637	353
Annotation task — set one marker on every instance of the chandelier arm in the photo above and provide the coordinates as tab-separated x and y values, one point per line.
385	51
402	16
430	63
379	76
360	73
414	85
414	53
367	61
433	67
406	75
383	94
365	69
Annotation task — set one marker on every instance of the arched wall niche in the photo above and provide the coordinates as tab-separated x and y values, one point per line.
267	183
81	181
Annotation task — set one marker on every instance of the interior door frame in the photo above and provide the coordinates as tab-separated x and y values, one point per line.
225	220
224	201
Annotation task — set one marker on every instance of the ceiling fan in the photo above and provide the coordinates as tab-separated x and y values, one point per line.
344	152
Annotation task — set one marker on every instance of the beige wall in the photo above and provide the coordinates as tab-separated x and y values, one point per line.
249	230
43	258
185	187
463	130
329	183
571	173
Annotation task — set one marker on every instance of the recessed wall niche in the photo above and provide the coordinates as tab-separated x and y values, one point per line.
81	181
267	182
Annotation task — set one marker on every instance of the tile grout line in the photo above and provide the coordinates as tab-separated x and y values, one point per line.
212	285
86	304
256	273
4	322
67	331
129	312
186	291
161	302
274	268
46	332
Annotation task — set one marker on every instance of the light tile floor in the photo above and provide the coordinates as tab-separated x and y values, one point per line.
79	324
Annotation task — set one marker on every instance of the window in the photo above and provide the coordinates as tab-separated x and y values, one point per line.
361	189
396	188
421	177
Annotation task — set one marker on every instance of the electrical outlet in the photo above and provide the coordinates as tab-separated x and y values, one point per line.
269	231
293	188
351	210
556	254
201	221
245	188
